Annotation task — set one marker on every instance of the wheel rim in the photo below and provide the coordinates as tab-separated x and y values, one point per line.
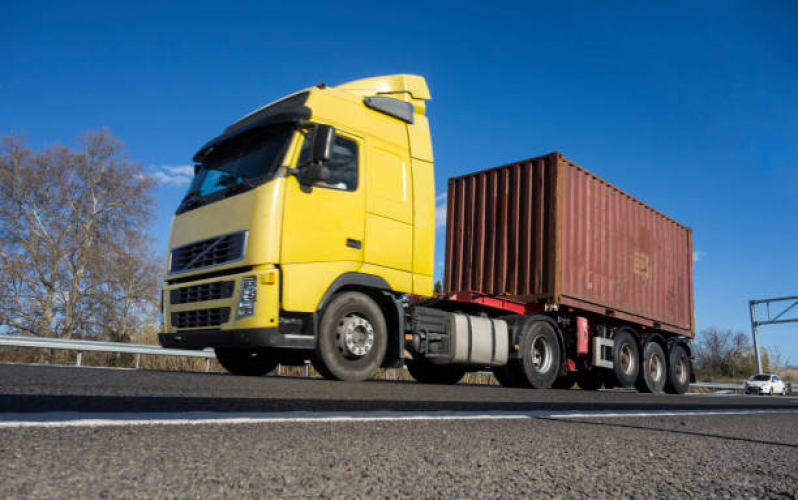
541	354
354	336
681	370
655	368
627	359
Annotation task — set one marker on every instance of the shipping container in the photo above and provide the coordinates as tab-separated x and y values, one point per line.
546	230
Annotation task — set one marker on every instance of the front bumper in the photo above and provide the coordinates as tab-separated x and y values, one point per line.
251	337
202	313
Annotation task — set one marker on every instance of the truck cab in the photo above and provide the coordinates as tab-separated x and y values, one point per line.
326	193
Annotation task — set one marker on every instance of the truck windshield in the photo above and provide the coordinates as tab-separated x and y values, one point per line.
237	166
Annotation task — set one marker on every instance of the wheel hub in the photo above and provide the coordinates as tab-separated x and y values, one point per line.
541	354
355	336
655	368
681	371
627	359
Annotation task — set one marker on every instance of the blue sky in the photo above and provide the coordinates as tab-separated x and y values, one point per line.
691	106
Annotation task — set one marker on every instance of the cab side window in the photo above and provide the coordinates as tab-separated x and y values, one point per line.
342	166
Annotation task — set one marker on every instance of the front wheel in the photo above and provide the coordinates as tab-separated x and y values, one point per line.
249	362
427	373
353	338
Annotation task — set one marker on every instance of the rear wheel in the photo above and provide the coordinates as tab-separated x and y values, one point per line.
353	338
427	373
511	374
626	365
678	371
653	369
540	355
250	362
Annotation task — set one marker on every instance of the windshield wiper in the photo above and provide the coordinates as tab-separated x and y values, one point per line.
192	200
244	185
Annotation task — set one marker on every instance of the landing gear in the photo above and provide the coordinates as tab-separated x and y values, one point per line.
353	338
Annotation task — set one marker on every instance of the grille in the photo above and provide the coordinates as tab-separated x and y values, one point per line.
198	293
210	252
201	317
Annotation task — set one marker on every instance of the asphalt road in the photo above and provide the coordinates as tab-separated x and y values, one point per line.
680	455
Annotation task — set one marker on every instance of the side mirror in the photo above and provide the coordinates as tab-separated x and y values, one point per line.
323	139
315	172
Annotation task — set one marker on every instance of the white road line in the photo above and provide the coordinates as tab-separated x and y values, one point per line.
79	419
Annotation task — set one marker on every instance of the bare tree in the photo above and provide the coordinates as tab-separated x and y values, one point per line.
73	244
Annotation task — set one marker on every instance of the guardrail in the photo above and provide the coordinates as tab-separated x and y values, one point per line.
97	345
720	387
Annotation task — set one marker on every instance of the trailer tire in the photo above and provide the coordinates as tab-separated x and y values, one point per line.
427	373
678	371
564	382
653	369
247	362
511	374
540	355
352	338
626	360
590	380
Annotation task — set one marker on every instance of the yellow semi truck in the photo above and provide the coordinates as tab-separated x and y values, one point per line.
308	233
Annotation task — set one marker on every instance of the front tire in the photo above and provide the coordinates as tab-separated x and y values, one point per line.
247	362
678	371
653	369
427	373
353	338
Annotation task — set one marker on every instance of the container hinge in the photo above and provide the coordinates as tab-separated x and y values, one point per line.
602	352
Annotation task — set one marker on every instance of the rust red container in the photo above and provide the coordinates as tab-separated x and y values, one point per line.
545	230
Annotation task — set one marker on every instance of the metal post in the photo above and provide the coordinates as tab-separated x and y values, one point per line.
755	336
138	361
279	369
80	357
307	369
207	364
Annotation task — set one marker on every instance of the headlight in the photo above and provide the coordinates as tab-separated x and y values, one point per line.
246	301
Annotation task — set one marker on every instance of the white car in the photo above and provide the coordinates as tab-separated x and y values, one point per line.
764	383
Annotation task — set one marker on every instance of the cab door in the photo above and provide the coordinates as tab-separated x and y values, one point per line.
323	224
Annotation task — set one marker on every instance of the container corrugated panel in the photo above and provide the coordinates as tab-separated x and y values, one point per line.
547	230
